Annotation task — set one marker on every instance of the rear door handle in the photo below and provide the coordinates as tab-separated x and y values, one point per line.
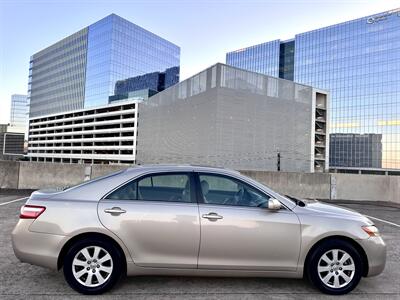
115	211
212	216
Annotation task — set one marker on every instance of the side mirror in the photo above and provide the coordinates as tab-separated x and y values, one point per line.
274	204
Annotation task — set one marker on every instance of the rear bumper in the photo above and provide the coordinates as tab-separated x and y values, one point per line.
39	249
375	248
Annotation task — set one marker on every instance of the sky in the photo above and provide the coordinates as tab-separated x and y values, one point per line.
205	30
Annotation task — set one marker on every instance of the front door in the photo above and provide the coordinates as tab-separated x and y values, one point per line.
239	232
157	219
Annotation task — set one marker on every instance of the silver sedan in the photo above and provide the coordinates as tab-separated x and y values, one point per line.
189	220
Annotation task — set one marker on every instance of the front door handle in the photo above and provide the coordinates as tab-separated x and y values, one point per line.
212	216
115	211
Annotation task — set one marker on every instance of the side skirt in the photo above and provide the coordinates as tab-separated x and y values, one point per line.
134	270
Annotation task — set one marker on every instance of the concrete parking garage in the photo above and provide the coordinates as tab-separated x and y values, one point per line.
20	280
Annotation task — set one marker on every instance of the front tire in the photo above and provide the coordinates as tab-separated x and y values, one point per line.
335	267
92	266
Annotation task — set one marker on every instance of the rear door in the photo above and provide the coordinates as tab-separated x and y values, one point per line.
157	218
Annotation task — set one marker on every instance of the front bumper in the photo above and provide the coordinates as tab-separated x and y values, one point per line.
39	249
375	248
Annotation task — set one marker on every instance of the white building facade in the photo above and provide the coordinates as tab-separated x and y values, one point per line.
100	135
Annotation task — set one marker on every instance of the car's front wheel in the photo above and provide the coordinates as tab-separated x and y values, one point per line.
335	267
92	266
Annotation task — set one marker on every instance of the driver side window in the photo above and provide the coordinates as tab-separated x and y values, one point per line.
217	189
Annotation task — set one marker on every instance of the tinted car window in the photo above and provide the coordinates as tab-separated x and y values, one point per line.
224	190
165	187
126	192
147	181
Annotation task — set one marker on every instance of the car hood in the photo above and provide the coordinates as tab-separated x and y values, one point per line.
320	208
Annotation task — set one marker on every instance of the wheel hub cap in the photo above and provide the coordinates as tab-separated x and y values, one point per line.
92	266
336	268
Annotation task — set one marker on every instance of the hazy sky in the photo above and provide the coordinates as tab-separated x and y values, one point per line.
205	30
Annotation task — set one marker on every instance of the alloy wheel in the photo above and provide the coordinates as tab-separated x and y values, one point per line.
92	266
336	268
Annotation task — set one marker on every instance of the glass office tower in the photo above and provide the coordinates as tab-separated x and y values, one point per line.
18	113
359	63
118	50
57	76
82	70
263	58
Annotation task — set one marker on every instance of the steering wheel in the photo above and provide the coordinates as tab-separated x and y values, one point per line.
236	198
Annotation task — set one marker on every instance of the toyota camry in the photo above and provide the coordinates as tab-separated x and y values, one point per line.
194	221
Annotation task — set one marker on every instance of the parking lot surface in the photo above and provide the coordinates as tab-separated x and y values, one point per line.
21	281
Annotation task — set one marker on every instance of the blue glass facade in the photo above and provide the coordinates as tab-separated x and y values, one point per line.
118	50
57	76
155	81
19	113
359	63
82	70
263	58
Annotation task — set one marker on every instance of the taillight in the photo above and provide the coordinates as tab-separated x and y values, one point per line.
31	211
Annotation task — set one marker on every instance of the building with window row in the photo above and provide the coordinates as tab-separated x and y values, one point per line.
223	116
81	70
358	62
104	134
19	113
11	143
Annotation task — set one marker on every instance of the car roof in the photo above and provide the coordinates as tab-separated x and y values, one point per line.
179	168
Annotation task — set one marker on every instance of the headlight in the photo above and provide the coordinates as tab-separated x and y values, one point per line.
371	230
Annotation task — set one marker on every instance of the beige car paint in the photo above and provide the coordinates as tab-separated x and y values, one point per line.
174	238
249	238
157	234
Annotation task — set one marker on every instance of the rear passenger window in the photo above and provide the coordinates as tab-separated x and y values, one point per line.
166	187
162	187
126	192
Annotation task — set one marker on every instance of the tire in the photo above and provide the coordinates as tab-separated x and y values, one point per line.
93	266
341	277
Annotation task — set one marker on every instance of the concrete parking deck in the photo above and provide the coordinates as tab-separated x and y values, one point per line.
20	281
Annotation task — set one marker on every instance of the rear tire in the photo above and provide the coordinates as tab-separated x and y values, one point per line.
92	266
334	267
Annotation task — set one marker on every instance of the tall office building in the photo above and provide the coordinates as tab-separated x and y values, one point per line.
19	113
81	70
359	63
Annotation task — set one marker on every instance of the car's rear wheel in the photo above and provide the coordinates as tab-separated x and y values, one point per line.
92	266
335	267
